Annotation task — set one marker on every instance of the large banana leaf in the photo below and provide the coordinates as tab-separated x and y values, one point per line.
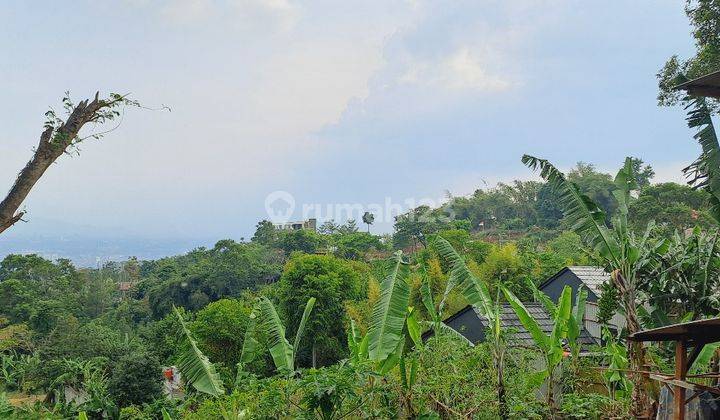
301	328
576	323
626	182
427	300
528	321
250	343
195	367
413	328
704	172
585	216
388	316
561	323
474	290
280	349
541	297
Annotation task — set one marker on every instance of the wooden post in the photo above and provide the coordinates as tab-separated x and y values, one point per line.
680	372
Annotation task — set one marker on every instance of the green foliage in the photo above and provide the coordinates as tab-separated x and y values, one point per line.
219	330
703	16
195	367
201	276
331	281
135	380
302	240
265	233
607	303
388	317
586	406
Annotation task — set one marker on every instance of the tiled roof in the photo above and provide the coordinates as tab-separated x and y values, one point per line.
592	277
521	337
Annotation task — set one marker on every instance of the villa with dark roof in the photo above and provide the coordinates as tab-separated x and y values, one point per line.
472	325
590	278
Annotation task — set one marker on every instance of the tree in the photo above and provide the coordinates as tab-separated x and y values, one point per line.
136	379
265	233
368	218
58	137
355	245
219	330
704	16
626	256
302	240
672	207
596	185
643	174
329	280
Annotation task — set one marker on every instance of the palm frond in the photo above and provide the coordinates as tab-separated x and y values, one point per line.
280	349
195	367
585	216
388	316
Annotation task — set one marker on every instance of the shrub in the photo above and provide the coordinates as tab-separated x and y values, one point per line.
136	379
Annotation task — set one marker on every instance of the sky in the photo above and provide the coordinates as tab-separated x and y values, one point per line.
370	104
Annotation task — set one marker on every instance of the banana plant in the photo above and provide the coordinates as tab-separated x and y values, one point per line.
625	255
577	316
282	352
477	294
393	331
704	172
195	367
551	345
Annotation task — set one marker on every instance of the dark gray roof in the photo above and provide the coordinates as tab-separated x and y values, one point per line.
592	277
510	321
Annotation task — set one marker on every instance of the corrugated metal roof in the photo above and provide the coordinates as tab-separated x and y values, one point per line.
592	277
521	337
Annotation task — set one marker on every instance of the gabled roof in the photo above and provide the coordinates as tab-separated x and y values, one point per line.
521	336
591	277
509	320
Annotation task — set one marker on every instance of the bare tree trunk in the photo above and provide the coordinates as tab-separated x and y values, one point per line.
54	141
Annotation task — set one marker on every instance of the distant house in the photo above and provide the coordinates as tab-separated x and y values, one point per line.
590	278
472	325
309	224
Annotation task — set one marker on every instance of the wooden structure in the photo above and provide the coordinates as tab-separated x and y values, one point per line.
691	336
707	85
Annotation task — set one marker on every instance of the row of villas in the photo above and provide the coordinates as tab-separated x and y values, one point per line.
471	324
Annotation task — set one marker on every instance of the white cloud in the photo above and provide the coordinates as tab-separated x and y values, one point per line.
260	13
464	69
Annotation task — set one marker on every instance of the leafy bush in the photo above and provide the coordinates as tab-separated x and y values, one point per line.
136	379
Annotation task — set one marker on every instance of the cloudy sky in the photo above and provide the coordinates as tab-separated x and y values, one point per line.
331	101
